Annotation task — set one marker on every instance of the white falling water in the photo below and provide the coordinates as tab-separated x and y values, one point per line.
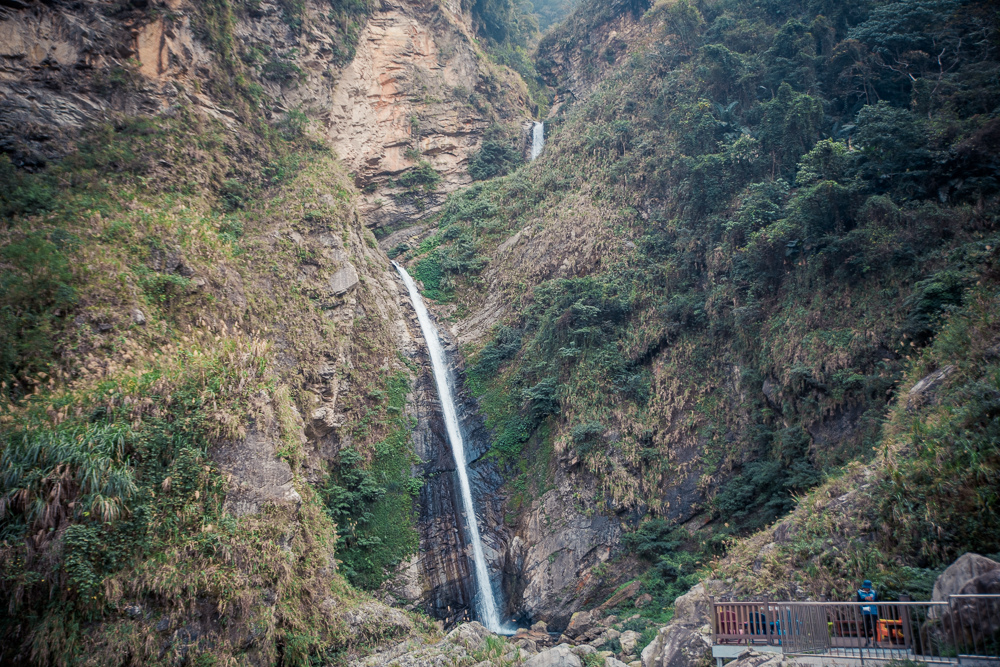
486	605
537	139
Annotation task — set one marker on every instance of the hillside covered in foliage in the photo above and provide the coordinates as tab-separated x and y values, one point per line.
739	320
771	220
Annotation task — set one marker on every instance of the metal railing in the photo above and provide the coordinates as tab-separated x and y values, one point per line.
965	629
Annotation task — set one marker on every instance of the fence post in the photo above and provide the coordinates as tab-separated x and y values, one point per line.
715	620
767	621
859	630
952	607
904	614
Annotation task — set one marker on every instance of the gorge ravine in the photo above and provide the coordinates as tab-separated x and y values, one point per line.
485	600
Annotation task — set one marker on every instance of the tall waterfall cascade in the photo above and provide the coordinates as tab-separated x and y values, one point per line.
485	602
537	139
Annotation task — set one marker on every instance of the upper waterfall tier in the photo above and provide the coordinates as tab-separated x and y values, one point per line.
537	139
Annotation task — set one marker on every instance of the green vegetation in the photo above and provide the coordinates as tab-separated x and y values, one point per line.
504	22
111	511
923	500
550	12
497	156
791	204
143	275
373	504
422	177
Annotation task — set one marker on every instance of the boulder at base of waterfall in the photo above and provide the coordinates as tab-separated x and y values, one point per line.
471	635
960	573
678	646
694	608
376	619
579	623
560	656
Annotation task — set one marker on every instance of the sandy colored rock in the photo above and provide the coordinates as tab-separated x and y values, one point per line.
694	608
961	572
344	279
628	640
579	623
559	656
677	646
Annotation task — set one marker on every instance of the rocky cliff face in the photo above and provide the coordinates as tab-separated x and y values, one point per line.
64	66
577	54
438	579
313	283
419	93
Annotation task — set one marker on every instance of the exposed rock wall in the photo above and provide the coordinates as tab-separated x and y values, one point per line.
557	546
576	55
439	579
417	91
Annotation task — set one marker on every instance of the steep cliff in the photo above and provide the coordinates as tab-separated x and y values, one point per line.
411	109
202	336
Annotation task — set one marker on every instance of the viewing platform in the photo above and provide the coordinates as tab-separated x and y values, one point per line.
963	630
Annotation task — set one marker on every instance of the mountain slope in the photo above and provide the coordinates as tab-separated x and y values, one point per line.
207	370
701	300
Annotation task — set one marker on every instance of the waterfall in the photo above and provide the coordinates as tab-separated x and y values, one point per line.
537	139
486	605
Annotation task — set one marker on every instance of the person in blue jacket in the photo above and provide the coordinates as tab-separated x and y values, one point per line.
869	612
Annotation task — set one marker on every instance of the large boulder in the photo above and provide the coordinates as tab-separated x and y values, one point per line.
374	620
751	658
960	573
694	608
560	656
976	620
628	640
678	646
579	623
471	635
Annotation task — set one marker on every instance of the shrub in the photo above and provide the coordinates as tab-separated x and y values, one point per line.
36	293
22	193
423	176
372	502
163	287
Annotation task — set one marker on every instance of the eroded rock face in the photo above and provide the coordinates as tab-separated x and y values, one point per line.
412	94
577	55
553	557
258	475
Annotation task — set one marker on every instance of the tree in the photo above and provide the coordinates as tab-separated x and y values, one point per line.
894	149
